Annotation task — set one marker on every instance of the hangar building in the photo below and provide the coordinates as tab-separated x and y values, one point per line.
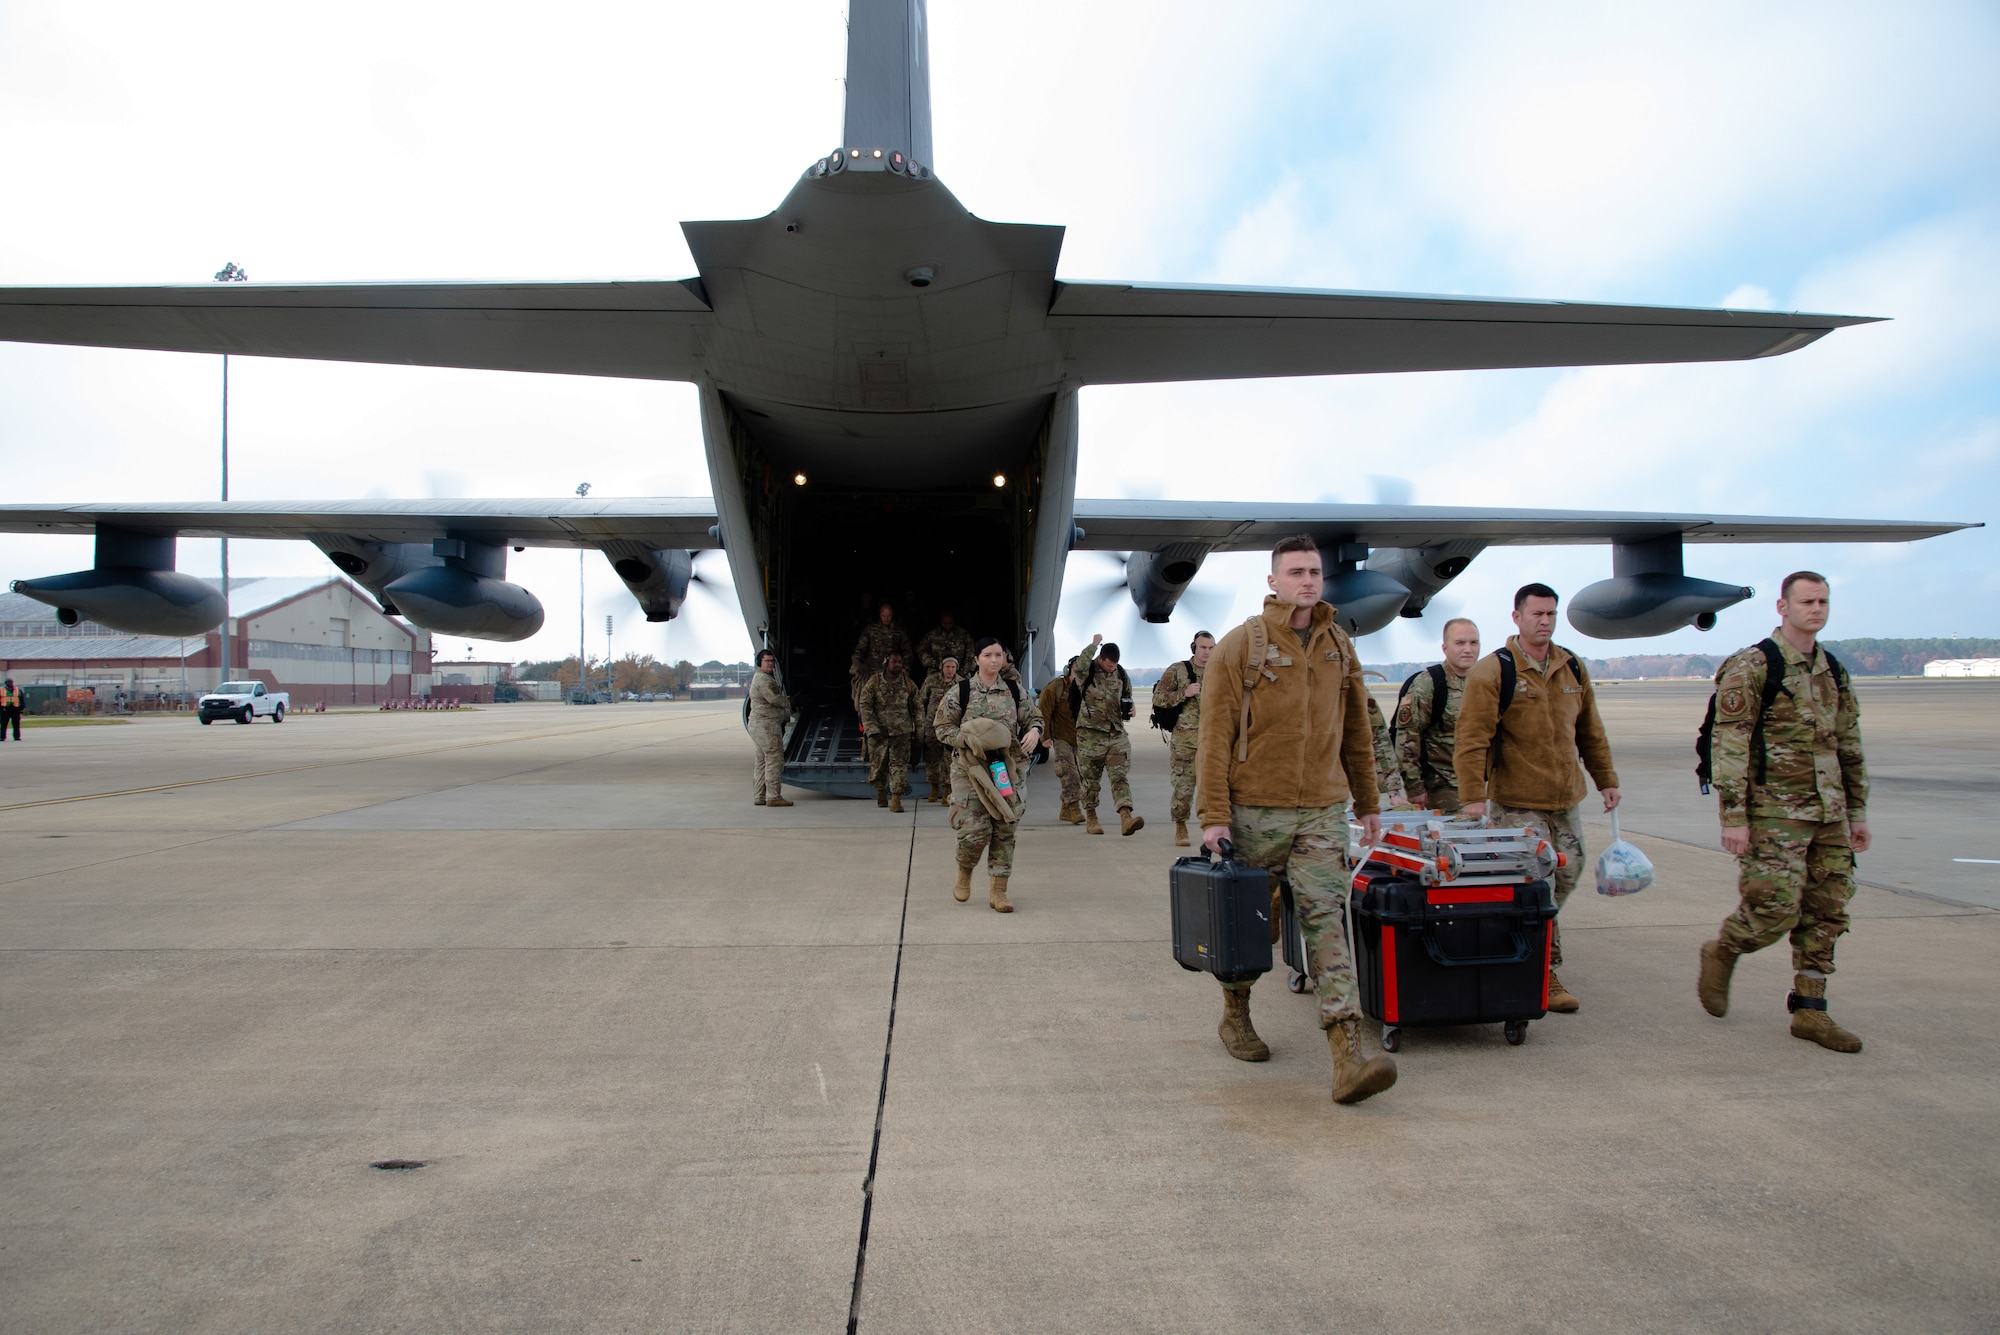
319	637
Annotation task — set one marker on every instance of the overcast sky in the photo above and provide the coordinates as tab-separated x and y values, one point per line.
1803	156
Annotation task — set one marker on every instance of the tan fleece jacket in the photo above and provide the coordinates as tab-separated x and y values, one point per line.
1309	741
1552	721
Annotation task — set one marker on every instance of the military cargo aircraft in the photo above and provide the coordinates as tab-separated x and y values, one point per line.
882	373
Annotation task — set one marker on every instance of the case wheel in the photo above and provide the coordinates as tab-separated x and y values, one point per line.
1298	982
1392	1039
1516	1031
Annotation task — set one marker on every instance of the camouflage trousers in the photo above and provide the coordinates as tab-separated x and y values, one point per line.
1181	751
889	762
937	766
1442	799
1097	752
979	833
1063	756
1308	847
1796	878
1564	829
768	776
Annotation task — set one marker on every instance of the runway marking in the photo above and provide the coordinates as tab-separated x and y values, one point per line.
1989	862
335	764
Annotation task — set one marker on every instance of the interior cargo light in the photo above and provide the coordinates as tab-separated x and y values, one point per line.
799	479
999	479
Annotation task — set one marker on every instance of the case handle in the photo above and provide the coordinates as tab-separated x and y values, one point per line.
1436	952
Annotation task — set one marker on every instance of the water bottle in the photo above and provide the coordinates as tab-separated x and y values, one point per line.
1001	780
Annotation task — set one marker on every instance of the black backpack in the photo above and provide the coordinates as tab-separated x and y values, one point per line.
1440	692
1509	675
1168	717
1774	684
965	692
1076	691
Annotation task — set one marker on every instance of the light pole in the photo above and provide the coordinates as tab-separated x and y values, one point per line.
582	673
610	686
230	272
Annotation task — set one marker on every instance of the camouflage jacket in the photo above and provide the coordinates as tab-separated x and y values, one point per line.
877	642
1169	690
889	705
1102	708
1813	769
1388	774
768	703
1424	742
929	695
982	701
941	644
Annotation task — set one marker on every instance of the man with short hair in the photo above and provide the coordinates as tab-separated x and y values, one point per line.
878	639
1516	750
1281	761
1061	734
889	713
937	759
1177	696
1102	695
1427	720
769	708
1792	787
945	640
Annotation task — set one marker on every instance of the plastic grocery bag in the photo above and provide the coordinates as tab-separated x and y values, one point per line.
1621	868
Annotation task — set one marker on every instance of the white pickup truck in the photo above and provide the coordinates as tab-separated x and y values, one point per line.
243	701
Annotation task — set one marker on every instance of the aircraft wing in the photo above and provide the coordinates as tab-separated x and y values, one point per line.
635	330
1237	526
1130	333
659	522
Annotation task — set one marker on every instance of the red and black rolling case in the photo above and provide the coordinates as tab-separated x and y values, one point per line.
1222	916
1454	936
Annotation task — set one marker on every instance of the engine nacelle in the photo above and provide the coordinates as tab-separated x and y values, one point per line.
376	565
1424	571
1364	601
132	599
1629	607
452	601
1156	580
658	579
132	587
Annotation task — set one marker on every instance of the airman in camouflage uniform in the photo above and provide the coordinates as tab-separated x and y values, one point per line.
1061	732
947	639
1388	772
770	707
1179	687
988	697
1101	741
889	713
1794	809
937	760
878	640
1425	737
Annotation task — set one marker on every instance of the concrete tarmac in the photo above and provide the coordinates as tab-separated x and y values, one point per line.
636	1029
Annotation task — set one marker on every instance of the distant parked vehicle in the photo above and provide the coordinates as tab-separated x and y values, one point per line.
243	701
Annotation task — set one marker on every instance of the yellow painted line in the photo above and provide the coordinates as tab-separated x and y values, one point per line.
334	764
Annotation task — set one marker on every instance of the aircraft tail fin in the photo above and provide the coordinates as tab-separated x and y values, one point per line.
889	77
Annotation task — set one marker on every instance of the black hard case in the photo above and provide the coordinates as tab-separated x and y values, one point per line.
1222	917
1451	955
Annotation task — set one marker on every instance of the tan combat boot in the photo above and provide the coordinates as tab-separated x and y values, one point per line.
1180	834
1129	823
1810	1020
1561	999
1237	1035
996	894
895	802
759	802
1718	962
1354	1079
1090	825
881	797
779	802
1070	813
963	890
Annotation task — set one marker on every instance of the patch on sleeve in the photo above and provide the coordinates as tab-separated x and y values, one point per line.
1406	715
1731	703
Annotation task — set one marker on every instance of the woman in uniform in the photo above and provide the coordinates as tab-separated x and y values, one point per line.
986	694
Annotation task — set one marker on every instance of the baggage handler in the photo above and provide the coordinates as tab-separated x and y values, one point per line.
1793	791
769	708
889	713
1517	757
1054	704
1179	690
1427	727
1281	761
987	695
1101	695
937	761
